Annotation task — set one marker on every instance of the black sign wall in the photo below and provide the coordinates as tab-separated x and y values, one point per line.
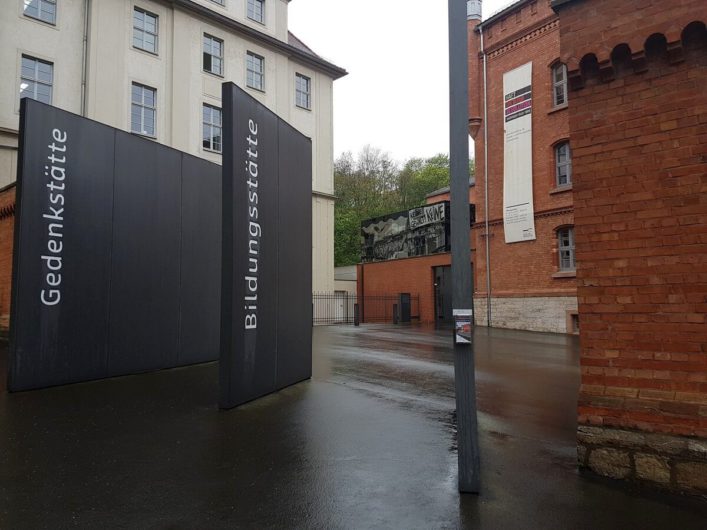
266	315
117	253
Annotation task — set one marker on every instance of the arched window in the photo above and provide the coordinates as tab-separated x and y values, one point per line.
565	248
563	164
559	85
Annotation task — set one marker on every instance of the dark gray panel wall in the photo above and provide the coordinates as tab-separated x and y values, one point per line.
140	250
266	252
294	363
144	304
46	347
201	261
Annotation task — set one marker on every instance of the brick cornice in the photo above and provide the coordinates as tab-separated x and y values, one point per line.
7	211
531	33
538	215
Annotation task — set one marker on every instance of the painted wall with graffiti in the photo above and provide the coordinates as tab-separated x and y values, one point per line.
417	232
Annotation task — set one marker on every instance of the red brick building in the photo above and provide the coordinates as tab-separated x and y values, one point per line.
427	278
531	287
532	282
638	124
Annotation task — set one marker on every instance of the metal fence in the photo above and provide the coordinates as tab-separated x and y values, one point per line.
340	307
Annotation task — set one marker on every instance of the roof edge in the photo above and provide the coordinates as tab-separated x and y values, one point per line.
558	3
502	13
313	61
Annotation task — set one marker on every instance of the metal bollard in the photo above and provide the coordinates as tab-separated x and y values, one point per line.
356	321
395	314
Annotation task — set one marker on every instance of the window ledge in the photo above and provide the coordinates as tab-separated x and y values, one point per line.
303	108
262	91
214	74
565	274
144	135
44	22
558	108
561	189
143	50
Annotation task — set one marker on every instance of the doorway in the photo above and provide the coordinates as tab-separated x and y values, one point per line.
443	294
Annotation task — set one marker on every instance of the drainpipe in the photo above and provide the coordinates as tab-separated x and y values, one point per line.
84	57
486	190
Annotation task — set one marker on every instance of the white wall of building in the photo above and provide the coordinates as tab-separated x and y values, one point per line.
177	75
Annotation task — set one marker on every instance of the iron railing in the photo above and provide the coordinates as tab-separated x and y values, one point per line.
340	307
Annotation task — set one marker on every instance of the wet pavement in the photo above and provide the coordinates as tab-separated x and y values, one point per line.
369	442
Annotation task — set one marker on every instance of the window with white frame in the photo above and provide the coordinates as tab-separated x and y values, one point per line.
145	29
255	71
565	248
256	10
211	128
303	91
559	85
36	79
213	55
563	164
44	10
143	110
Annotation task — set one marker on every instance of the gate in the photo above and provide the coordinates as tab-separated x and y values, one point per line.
339	307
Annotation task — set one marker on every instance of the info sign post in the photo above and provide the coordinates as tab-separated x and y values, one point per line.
462	302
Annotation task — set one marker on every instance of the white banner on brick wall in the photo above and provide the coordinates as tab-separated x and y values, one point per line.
518	215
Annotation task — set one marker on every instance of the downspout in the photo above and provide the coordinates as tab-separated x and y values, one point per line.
84	57
486	189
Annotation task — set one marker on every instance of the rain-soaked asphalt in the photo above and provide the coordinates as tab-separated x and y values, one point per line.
368	443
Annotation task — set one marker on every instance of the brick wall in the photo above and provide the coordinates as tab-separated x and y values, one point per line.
638	121
7	225
407	275
528	32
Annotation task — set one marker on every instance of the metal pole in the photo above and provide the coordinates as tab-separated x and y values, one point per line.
464	377
486	191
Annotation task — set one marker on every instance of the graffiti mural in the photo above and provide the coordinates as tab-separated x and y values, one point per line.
417	232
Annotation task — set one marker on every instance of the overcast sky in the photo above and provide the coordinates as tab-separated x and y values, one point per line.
396	96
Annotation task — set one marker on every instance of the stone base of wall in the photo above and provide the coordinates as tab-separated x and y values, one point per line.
533	313
673	462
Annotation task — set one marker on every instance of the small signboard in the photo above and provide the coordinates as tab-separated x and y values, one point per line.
462	326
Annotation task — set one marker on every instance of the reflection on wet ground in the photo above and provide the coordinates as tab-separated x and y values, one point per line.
368	443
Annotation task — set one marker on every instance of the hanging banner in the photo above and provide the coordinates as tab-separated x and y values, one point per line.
518	216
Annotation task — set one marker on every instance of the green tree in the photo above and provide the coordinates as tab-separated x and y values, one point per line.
371	184
420	177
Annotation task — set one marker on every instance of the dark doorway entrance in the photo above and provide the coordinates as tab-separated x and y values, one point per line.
443	294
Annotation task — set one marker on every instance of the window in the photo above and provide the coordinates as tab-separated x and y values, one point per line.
143	110
303	91
255	66
565	245
145	30
44	10
563	164
213	55
559	84
256	10
211	135
36	79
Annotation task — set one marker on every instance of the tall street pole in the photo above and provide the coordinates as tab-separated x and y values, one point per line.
462	301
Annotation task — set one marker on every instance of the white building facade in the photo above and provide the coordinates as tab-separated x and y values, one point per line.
155	68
